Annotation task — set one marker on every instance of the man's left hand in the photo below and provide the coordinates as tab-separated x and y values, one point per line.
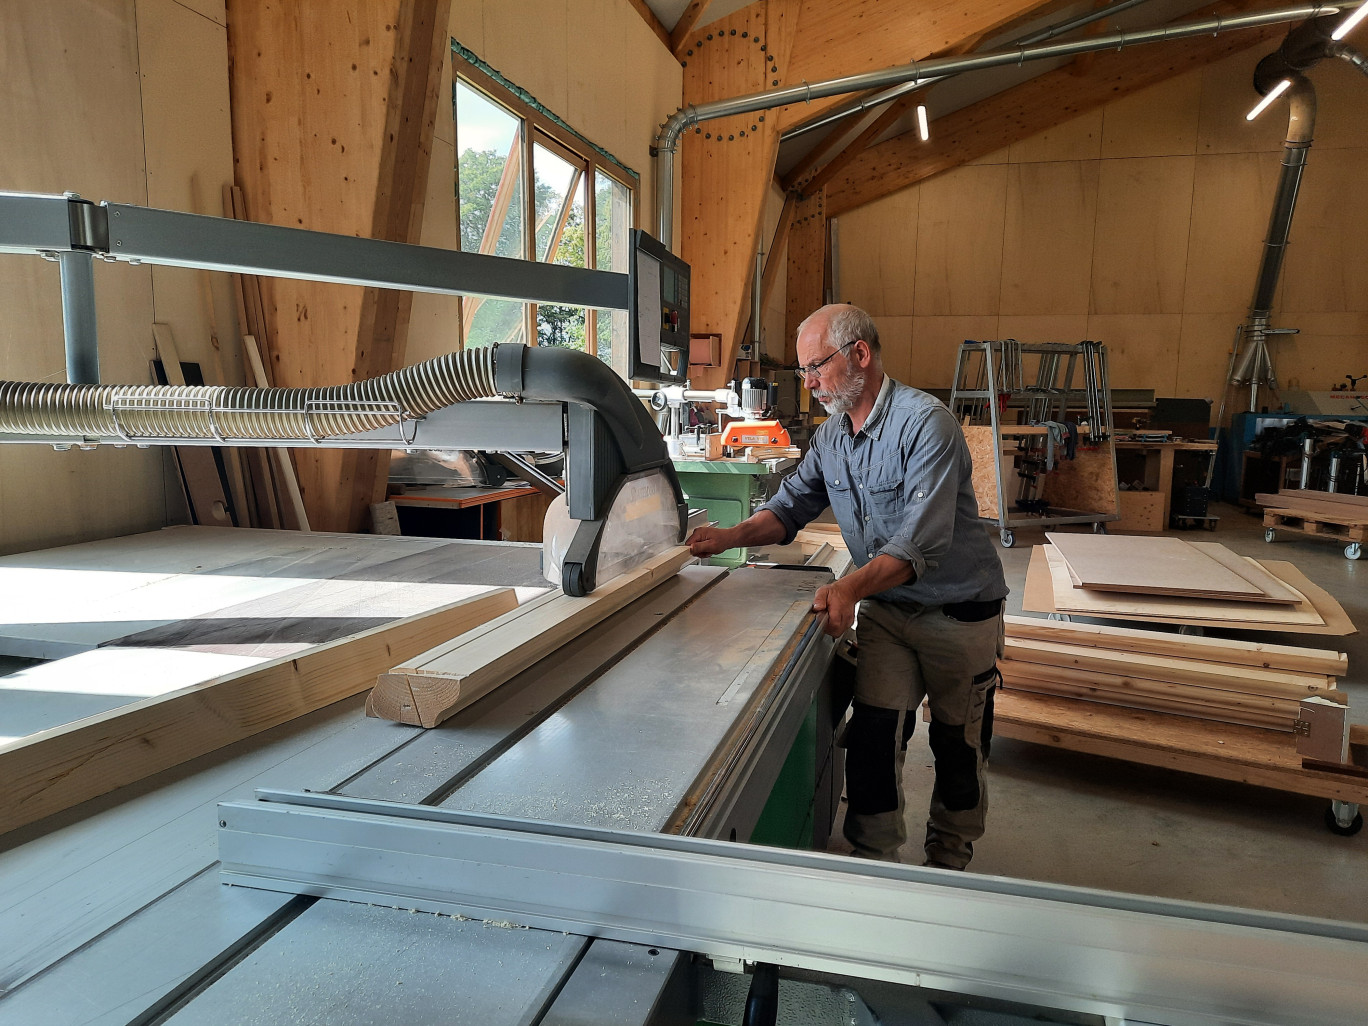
839	607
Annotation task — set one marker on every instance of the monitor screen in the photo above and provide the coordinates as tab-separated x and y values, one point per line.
659	313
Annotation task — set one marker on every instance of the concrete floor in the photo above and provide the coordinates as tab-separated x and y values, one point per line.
1069	818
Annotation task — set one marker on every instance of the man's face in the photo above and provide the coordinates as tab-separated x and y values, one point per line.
837	384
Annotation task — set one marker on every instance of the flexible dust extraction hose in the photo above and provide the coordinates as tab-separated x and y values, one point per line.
202	411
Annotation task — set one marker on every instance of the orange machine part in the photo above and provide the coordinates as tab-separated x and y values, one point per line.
754	432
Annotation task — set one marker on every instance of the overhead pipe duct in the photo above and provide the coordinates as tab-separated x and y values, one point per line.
920	72
1305	46
868	102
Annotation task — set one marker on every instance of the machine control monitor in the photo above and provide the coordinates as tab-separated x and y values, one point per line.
659	312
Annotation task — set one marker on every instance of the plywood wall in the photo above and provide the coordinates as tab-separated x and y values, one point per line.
120	100
1139	225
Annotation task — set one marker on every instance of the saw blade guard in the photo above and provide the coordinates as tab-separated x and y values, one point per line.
643	521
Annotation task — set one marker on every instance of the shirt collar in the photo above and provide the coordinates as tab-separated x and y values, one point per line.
873	425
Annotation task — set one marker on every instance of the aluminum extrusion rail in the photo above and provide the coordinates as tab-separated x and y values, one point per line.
1117	955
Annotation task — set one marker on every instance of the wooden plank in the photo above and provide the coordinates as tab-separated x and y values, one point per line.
1150	666
1247	653
1248	755
1148	566
436	684
652	22
1329	512
1268	721
1251	572
199	469
1038	596
1361	501
58	768
678	38
1190	694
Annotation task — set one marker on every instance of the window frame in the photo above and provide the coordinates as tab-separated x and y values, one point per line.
536	127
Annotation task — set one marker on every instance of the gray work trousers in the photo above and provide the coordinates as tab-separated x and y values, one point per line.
907	654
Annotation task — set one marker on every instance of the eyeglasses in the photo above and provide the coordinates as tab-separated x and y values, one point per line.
813	368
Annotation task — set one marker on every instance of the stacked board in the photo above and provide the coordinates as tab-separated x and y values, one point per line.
1252	684
1334	515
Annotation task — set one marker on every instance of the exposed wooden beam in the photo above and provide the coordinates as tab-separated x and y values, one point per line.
652	22
861	142
806	268
800	171
679	37
1031	107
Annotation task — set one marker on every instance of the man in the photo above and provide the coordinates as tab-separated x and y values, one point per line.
893	465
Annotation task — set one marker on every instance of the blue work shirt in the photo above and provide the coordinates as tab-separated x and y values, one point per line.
900	486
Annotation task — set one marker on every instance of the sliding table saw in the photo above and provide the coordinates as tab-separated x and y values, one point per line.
569	848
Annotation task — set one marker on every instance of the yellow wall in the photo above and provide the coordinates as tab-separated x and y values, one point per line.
1139	225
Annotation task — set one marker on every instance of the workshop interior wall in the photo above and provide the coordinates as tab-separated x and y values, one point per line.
1140	225
593	63
120	100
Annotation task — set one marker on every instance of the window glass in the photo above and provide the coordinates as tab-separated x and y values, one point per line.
561	233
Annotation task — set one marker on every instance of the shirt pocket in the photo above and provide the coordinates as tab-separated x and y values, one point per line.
887	501
840	495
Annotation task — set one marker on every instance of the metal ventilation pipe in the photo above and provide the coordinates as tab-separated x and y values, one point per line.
1304	46
667	139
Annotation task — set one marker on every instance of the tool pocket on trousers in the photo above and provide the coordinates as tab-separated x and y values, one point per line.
980	689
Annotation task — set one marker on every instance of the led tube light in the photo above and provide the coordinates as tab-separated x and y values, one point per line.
924	128
1270	96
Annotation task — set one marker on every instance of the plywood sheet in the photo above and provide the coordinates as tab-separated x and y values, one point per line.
1139	259
982	444
1151	566
1086	483
1038	597
1249	570
1047	250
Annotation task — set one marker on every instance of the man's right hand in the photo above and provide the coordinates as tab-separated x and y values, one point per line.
709	541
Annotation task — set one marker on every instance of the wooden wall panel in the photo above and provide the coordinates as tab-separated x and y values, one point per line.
1204	343
895	344
1227	96
807	259
959	249
1326	267
1047	249
1078	138
1144	208
936	342
1231	198
1142	349
1329	346
1067	327
1160	121
879	255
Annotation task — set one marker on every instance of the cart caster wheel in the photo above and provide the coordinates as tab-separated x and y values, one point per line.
1353	550
1270	534
1099	528
1008	539
1333	825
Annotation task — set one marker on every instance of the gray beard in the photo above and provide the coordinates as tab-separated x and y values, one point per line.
843	398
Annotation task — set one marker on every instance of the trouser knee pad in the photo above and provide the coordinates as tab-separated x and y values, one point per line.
871	749
956	766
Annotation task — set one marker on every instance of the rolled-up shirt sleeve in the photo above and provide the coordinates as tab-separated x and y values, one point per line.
933	470
801	497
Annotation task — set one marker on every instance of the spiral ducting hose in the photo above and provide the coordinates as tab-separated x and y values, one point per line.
150	412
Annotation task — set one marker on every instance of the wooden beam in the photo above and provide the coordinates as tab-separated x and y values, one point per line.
652	22
55	769
433	686
680	34
806	268
861	142
1031	107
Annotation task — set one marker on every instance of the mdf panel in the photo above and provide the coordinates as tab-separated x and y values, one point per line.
1325	269
1228	94
935	346
1142	349
534	47
878	246
1047	250
1078	138
1144	207
1204	344
1341	103
1159	121
1232	195
960	220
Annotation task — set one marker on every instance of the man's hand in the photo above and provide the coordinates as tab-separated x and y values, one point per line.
709	541
838	605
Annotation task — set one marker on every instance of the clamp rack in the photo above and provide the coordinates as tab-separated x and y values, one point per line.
993	378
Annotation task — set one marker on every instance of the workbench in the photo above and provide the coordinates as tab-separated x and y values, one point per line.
1156	475
512	512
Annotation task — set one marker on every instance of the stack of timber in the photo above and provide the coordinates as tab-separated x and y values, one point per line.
1238	682
1336	515
440	682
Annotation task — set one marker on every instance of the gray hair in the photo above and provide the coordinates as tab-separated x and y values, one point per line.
847	324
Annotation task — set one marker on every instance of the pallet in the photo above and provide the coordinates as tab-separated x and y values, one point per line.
1321	524
1225	751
